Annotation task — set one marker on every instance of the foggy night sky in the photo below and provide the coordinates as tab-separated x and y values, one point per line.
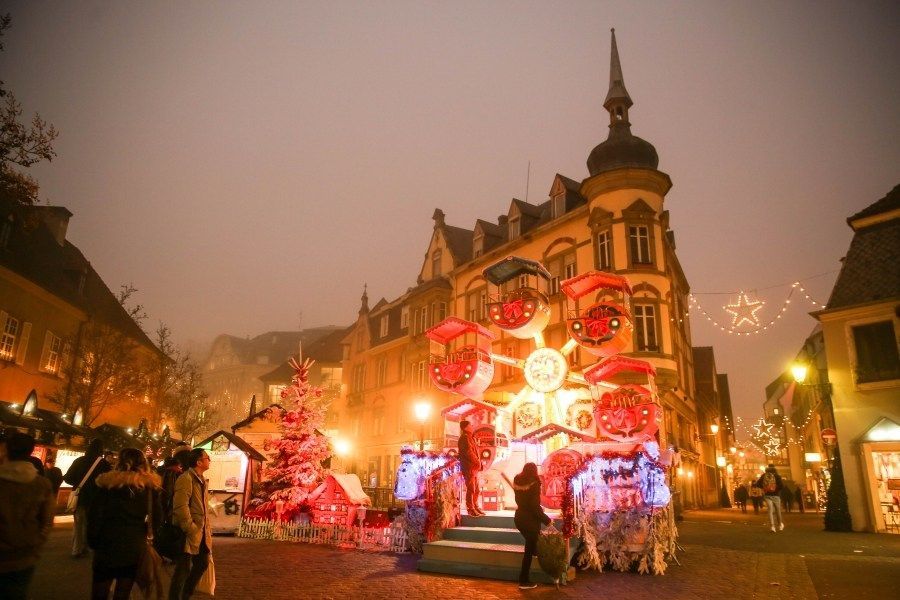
243	163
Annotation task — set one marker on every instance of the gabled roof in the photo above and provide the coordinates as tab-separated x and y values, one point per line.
237	442
870	273
459	241
34	253
891	201
277	346
257	415
324	350
529	210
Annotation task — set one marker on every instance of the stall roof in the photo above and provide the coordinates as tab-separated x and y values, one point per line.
580	285
41	419
236	441
456	412
255	416
548	431
618	364
453	327
513	266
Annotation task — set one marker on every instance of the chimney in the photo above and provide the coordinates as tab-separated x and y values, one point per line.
56	218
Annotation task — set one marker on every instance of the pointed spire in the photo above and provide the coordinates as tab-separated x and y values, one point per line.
252	406
617	95
364	300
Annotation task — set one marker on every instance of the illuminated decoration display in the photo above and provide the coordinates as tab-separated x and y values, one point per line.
629	412
605	328
766	437
744	311
524	311
466	369
759	327
546	369
594	436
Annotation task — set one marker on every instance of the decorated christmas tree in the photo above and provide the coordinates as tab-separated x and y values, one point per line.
296	468
837	512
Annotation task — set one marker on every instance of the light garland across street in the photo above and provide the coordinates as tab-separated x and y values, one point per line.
744	311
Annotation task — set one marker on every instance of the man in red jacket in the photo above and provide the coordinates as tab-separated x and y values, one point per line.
470	461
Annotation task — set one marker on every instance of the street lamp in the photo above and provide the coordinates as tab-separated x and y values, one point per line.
422	410
342	449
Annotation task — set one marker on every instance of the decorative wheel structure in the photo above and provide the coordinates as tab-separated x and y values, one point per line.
558	404
594	431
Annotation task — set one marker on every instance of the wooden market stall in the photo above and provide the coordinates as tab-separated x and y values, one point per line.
231	475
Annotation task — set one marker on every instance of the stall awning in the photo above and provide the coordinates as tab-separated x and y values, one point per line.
235	441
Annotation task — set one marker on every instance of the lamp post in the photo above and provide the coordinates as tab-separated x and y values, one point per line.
342	449
822	393
422	410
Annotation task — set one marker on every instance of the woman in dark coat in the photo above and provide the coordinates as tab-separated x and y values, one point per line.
529	517
117	528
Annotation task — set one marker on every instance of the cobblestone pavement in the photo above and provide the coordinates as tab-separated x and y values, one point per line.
727	555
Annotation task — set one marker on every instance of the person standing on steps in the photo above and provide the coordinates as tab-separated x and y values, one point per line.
529	517
470	461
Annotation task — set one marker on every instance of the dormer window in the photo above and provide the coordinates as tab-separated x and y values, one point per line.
514	229
383	329
436	263
478	245
558	206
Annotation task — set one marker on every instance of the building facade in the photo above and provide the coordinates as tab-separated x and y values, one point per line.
234	366
51	301
861	329
614	220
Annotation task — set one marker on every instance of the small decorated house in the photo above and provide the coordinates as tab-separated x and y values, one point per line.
231	476
336	500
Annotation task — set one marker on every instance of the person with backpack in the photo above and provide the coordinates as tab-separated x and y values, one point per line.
756	495
771	485
81	476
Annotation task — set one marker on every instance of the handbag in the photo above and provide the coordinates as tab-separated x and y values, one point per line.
72	503
169	540
207	583
151	576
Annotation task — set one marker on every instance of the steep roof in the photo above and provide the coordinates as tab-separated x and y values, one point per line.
324	350
277	346
34	253
459	241
869	272
891	201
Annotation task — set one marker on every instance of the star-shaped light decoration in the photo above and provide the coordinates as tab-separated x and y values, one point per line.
744	310
772	447
762	429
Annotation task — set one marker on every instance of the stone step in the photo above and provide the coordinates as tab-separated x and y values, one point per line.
491	520
497	535
503	573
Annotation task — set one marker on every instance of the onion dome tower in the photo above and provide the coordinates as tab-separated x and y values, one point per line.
621	148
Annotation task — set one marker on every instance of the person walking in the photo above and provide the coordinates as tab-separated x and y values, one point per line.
529	517
740	497
756	497
470	461
117	522
82	476
26	515
798	498
54	474
787	498
189	511
771	485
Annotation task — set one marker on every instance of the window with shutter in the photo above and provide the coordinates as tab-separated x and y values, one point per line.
22	350
8	336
